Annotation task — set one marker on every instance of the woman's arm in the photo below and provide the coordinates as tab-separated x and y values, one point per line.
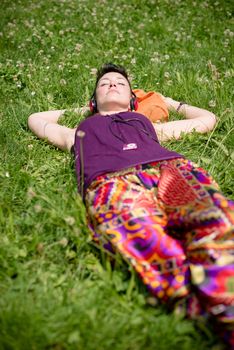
45	126
197	119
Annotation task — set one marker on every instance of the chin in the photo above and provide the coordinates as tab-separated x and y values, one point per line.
115	105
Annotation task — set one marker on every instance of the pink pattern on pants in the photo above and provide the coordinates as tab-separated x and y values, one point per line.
174	226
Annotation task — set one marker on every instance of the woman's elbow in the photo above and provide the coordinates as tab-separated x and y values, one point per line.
212	121
31	120
34	123
208	123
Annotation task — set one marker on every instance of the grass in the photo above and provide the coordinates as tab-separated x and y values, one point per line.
58	291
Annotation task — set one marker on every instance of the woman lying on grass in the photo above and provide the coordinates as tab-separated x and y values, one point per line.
155	207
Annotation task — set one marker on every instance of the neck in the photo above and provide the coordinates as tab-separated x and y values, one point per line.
104	112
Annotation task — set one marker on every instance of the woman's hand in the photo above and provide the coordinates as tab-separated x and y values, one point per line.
197	119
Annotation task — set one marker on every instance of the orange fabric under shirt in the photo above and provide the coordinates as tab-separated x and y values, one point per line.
151	105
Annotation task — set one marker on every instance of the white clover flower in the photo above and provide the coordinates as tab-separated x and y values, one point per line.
228	74
37	208
228	32
78	47
93	71
31	193
212	103
70	220
63	242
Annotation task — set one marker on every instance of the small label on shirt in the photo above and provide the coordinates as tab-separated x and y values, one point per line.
128	146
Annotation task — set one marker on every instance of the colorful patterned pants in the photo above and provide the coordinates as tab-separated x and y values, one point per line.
170	221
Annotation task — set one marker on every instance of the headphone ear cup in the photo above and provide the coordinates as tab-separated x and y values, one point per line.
133	104
93	105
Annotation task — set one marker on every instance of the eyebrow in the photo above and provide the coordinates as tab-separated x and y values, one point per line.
119	78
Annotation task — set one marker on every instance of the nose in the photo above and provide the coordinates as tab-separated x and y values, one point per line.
112	83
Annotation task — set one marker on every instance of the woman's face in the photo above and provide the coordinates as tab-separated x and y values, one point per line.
113	93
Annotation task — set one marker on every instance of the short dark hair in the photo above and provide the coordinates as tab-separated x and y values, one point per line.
111	67
107	68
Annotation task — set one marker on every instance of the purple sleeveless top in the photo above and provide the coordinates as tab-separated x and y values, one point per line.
115	142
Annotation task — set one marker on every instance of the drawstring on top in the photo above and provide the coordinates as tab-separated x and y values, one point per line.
121	120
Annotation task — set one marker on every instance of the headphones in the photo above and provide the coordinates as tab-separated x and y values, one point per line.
93	104
133	102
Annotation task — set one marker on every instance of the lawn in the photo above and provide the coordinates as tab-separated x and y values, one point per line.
57	289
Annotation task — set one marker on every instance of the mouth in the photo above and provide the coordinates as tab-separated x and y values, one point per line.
113	90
